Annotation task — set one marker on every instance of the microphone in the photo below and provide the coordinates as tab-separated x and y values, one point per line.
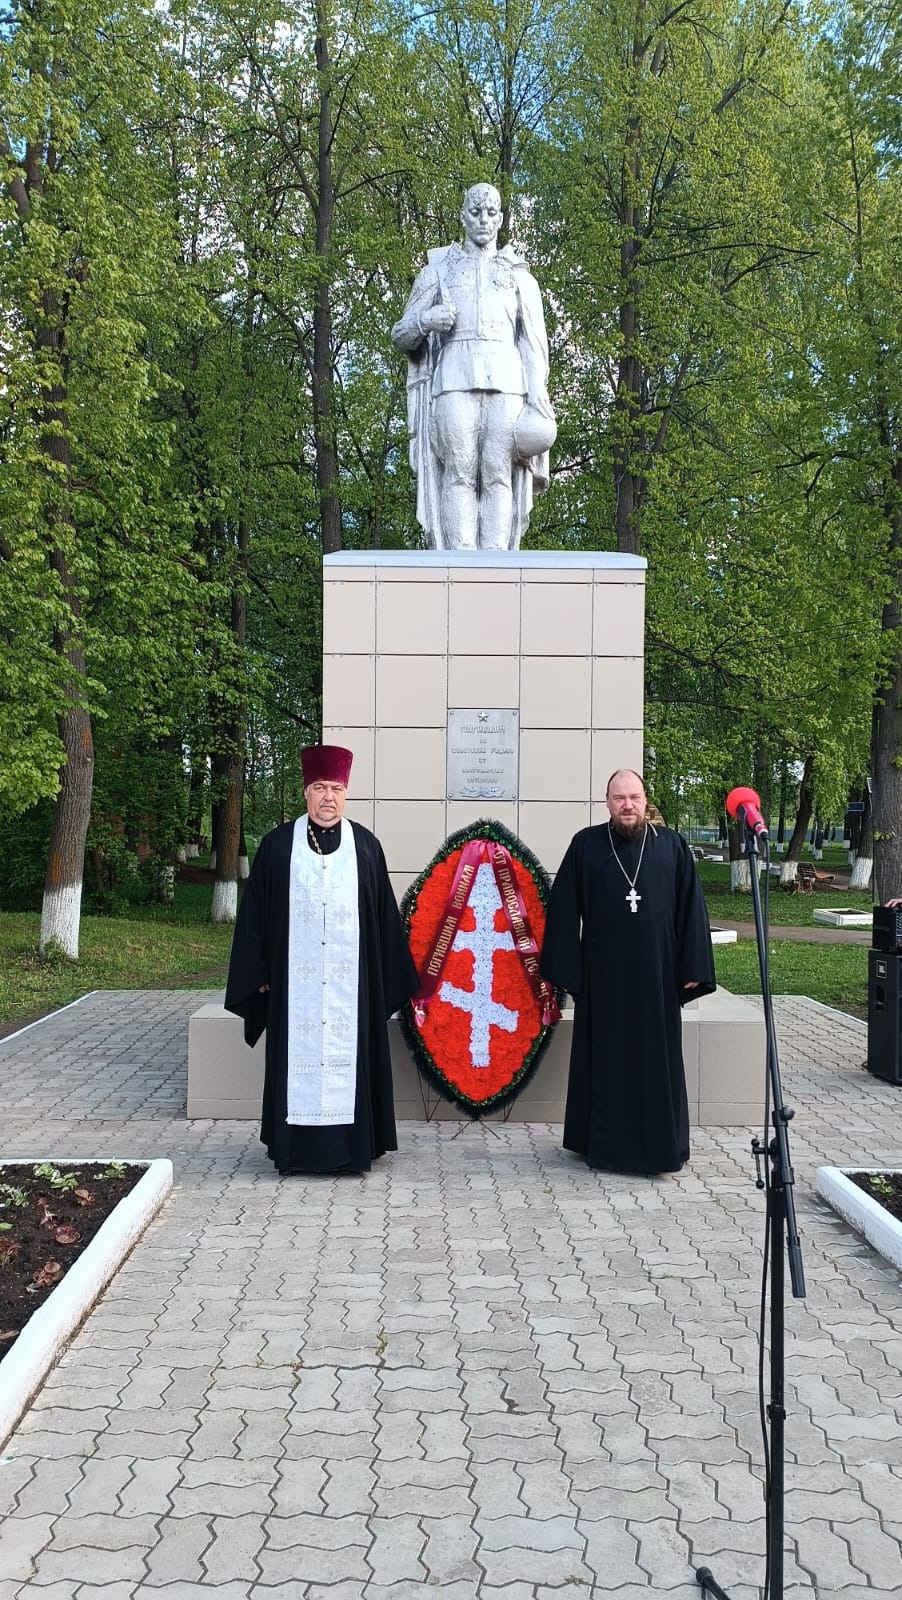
746	805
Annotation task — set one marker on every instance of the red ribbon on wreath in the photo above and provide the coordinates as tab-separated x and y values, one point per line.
473	855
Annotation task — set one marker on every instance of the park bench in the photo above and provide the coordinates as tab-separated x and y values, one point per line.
808	879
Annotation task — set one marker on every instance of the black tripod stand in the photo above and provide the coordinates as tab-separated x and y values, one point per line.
781	1228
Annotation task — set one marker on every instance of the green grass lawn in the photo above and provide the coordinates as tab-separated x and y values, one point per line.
835	974
155	947
784	910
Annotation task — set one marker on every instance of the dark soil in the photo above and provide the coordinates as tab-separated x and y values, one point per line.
45	1223
884	1187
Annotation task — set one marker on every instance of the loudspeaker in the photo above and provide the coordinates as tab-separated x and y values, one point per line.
885	1015
887	926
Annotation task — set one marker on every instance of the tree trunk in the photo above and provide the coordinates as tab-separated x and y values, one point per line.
740	876
61	908
789	869
228	766
862	872
228	770
886	741
784	789
196	805
323	411
244	865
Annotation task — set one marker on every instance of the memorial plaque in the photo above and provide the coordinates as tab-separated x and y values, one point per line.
483	755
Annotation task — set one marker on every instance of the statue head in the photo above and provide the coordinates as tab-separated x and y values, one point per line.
481	214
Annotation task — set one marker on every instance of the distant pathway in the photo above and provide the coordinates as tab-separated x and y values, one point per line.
746	930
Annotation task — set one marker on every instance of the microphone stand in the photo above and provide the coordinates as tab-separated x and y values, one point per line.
781	1230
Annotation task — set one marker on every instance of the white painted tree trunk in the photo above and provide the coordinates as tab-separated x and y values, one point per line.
225	901
212	860
244	868
789	872
740	877
860	876
191	852
167	884
61	917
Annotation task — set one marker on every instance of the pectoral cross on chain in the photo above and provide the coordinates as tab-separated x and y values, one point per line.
633	899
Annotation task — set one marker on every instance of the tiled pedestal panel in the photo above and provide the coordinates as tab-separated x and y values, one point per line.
410	636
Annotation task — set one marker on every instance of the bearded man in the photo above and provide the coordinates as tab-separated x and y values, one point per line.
627	935
321	961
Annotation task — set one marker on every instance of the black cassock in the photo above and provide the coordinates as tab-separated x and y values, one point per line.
387	977
626	1099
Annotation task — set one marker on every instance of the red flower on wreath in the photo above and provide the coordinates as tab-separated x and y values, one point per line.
482	1029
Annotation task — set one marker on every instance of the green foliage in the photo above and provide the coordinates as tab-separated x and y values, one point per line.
56	1179
23	855
710	198
116	1169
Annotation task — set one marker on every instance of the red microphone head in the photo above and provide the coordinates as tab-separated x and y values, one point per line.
742	797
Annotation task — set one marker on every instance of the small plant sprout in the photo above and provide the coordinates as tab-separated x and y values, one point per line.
56	1179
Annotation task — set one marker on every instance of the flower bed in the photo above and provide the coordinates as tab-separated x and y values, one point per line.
67	1274
852	1193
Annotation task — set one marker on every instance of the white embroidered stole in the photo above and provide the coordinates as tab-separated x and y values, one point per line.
323	966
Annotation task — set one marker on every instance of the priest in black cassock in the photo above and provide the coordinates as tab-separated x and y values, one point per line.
627	936
321	961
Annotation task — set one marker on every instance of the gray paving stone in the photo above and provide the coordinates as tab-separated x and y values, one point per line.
308	1565
178	1553
405	1590
396	1550
349	1488
149	1486
181	1590
233	1549
262	1435
23	1539
523	1564
91	1591
292	1590
48	1490
298	1487
72	1566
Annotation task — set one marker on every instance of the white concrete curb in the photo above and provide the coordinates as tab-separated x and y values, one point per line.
864	1213
49	1330
46	1018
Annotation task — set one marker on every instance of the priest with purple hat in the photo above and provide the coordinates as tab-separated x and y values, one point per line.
320	961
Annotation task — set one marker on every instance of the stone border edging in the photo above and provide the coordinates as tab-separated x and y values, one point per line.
56	1012
49	1329
861	1210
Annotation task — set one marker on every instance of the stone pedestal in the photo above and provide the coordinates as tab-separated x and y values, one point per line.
723	1049
409	637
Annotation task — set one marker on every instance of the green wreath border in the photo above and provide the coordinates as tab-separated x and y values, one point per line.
484	828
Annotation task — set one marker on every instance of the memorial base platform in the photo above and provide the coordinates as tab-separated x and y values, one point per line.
723	1050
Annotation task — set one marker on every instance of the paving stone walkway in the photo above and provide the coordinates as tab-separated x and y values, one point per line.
480	1372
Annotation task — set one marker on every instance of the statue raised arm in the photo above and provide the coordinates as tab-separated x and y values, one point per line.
479	418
